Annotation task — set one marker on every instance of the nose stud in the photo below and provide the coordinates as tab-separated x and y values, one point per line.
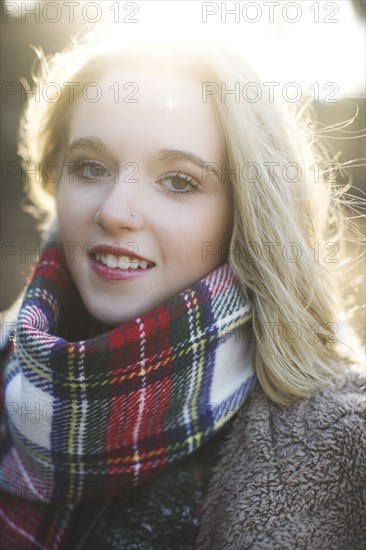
133	214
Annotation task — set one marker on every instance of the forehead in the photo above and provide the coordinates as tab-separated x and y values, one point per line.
143	105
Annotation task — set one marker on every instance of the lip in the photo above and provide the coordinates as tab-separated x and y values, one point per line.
116	251
114	273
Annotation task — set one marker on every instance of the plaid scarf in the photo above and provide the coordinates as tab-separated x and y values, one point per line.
94	418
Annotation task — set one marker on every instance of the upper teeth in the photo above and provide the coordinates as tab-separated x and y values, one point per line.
121	262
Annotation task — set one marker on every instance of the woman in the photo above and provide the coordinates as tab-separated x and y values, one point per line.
186	350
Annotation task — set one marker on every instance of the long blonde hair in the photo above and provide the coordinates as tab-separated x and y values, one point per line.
285	219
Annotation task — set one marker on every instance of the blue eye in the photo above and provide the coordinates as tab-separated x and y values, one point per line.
179	183
91	170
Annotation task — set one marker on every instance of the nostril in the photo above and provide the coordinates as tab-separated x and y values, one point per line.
115	214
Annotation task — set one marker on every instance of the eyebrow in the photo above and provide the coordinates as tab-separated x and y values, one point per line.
96	145
176	154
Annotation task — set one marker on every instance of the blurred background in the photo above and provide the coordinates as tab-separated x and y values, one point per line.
319	45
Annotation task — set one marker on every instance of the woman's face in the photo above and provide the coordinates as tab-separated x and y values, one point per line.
140	218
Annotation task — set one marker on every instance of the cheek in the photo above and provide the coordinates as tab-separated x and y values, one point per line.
65	214
196	236
61	203
217	221
69	219
216	234
72	208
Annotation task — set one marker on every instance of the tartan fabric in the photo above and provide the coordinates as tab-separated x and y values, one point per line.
92	419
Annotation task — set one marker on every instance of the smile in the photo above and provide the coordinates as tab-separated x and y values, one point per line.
120	262
115	263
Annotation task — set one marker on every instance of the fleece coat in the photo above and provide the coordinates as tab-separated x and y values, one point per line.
292	478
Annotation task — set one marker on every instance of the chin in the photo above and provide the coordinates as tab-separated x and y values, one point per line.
115	317
113	312
112	320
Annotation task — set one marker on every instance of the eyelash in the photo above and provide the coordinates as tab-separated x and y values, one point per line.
80	165
183	177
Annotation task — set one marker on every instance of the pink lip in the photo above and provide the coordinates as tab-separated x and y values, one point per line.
115	274
116	251
112	273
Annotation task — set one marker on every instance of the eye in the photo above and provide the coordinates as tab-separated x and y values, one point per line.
91	170
179	183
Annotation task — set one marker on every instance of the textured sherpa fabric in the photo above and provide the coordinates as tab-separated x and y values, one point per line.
292	478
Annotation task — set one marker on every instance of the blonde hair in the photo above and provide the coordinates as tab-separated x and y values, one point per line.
279	208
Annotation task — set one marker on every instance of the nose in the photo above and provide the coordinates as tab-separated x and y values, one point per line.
120	205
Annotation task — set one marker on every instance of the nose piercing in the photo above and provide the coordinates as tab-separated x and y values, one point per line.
133	214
